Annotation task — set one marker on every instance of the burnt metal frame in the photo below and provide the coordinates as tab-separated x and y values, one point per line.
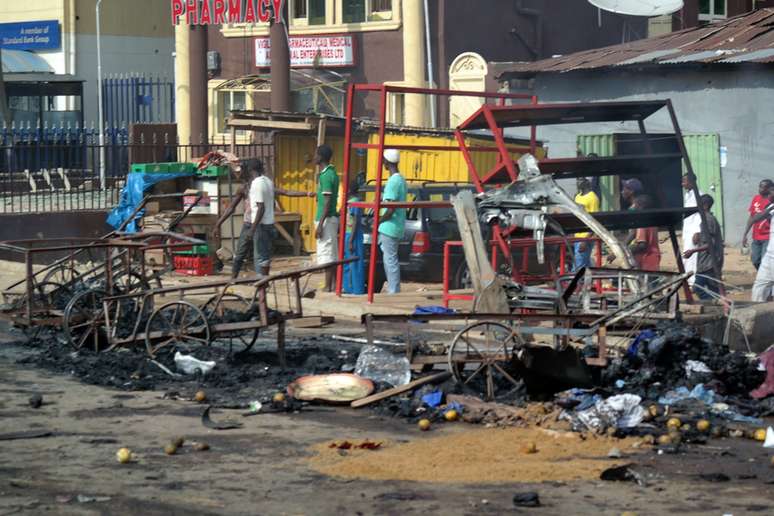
119	232
487	112
221	287
377	204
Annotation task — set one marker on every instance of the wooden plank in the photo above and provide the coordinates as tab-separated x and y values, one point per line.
313	322
272	124
433	378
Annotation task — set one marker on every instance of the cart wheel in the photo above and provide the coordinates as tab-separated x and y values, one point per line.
242	340
51	295
176	325
64	275
129	283
84	319
479	357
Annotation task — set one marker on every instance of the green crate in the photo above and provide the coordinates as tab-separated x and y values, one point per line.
213	171
150	168
196	250
181	167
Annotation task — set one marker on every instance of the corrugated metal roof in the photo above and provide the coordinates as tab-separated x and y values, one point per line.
743	39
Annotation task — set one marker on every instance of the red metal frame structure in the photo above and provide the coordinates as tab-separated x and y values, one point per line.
519	243
377	203
495	119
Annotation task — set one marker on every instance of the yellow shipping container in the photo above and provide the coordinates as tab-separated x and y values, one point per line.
440	166
293	170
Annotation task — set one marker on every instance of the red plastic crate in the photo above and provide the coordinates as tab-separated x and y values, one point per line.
194	265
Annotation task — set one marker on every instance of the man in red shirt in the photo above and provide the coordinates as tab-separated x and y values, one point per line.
645	247
760	230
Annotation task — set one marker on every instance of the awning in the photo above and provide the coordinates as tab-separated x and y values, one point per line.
22	61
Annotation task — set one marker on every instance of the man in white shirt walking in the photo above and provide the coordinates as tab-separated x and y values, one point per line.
261	200
691	225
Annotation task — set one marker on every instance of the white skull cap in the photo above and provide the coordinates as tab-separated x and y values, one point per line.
392	155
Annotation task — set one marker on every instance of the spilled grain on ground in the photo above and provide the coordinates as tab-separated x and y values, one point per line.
494	455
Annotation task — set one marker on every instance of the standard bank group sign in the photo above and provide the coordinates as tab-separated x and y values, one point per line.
34	35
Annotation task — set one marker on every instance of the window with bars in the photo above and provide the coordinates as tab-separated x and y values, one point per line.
229	101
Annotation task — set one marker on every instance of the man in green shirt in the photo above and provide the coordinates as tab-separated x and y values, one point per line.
326	218
393	220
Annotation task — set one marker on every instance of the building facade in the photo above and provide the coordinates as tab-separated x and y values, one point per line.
137	38
395	42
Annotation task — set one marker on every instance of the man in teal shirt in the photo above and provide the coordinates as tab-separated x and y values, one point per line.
327	219
393	220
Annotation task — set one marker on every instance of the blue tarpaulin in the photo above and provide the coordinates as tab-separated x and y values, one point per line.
137	184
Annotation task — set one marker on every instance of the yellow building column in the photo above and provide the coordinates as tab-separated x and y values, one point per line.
414	62
183	83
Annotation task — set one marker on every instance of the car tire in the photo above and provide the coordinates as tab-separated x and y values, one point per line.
461	278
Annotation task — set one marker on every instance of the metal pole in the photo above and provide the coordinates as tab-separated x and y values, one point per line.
377	194
345	200
432	99
101	120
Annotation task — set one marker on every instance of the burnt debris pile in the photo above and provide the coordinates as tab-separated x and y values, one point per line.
236	379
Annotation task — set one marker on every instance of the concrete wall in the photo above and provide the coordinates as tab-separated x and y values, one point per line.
736	103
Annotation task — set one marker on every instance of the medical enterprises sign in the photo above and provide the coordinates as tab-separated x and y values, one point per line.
307	51
218	12
34	35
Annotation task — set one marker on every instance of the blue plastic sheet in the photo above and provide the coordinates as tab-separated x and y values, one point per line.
132	194
433	399
644	335
706	396
430	310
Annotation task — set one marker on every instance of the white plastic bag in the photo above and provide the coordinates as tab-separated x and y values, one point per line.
188	364
380	365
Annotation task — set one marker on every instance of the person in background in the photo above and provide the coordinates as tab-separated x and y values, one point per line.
392	221
708	249
760	230
244	176
246	173
262	192
763	288
691	225
326	218
590	202
630	189
645	249
354	272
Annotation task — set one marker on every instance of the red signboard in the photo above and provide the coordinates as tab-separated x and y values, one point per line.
218	12
327	51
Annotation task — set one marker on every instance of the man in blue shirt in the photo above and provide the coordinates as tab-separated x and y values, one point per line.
392	221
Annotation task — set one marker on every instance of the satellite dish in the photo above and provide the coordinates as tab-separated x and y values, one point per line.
639	7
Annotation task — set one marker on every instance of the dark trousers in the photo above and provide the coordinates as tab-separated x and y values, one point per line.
244	246
757	250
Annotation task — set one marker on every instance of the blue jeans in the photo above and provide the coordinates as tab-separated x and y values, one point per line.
581	258
389	246
757	250
263	241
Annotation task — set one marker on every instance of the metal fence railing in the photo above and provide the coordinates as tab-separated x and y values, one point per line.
50	170
133	98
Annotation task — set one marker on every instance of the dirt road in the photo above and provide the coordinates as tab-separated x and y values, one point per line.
264	467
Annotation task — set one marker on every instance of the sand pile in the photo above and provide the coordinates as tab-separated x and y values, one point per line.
494	455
